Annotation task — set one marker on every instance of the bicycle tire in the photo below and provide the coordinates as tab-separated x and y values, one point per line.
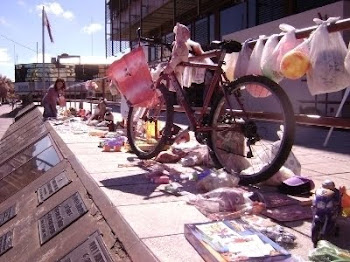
157	145
238	89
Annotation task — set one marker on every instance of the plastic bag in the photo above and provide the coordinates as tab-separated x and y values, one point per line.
223	199
347	60
268	62
255	58
243	60
292	162
133	78
296	62
255	69
217	179
230	65
327	53
287	43
325	251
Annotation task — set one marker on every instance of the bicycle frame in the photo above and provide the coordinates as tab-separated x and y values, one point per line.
196	124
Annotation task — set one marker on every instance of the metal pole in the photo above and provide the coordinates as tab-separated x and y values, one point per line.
43	46
174	14
120	27
305	32
347	92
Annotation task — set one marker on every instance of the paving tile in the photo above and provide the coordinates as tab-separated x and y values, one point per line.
338	181
139	194
312	159
310	173
161	219
345	176
174	248
121	177
103	167
332	167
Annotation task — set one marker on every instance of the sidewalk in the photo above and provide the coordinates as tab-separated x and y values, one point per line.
152	222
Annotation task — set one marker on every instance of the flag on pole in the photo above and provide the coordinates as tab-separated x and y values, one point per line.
47	24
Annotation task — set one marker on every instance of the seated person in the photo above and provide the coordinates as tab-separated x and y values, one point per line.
98	114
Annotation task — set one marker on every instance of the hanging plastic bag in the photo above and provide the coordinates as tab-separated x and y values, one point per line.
230	65
287	43
243	60
255	58
347	60
269	60
296	62
327	53
255	69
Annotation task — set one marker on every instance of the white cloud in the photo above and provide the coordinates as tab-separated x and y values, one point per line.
4	56
21	3
55	9
68	15
39	58
3	21
92	28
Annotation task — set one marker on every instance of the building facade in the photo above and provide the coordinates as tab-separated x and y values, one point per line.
225	19
29	78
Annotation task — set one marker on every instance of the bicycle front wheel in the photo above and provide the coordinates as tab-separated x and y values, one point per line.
253	128
148	129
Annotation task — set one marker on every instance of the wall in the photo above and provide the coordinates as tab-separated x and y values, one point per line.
297	89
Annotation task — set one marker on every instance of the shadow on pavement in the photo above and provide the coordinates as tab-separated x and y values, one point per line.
11	114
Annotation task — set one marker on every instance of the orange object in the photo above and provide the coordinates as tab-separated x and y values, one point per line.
133	78
106	148
294	64
82	112
345	202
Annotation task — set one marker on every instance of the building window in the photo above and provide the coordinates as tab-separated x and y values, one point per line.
233	19
201	31
302	5
270	10
211	28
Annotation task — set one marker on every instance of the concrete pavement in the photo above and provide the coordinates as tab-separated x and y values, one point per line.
150	223
157	219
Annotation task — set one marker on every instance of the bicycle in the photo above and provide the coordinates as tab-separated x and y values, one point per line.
241	131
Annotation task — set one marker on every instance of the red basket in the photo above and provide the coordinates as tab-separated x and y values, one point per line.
133	78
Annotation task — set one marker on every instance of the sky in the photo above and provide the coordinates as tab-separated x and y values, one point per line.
78	28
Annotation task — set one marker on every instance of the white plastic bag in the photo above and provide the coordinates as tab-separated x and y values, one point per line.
255	69
296	62
327	53
255	58
269	60
222	199
347	60
230	65
243	60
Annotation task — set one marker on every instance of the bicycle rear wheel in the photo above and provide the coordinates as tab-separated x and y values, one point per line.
246	137
148	129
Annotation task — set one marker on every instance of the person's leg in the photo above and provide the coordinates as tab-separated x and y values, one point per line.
48	112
